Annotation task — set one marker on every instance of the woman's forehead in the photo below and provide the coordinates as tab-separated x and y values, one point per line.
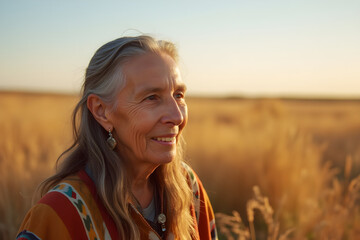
151	65
152	72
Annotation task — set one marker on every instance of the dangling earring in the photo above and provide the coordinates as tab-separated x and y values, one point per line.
111	141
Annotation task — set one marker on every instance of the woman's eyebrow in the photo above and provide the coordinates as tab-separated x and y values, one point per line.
144	90
181	86
141	91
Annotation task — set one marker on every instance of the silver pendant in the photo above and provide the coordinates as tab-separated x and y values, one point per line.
162	219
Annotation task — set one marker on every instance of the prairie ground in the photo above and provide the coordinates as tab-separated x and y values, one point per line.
304	155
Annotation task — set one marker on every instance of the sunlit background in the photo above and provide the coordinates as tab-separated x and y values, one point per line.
252	48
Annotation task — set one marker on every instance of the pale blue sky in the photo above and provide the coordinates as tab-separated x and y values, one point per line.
250	47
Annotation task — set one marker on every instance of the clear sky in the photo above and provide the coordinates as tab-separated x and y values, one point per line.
245	47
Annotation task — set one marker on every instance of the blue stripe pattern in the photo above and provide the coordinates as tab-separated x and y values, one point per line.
27	235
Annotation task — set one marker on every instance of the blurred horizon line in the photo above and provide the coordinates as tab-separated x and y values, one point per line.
229	96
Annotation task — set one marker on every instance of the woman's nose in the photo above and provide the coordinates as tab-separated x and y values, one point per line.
174	113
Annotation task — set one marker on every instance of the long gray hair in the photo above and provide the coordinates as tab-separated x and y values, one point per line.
104	78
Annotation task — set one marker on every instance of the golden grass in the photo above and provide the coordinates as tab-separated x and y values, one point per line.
294	151
242	143
335	216
35	130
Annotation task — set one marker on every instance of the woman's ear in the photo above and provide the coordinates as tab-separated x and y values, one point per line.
98	109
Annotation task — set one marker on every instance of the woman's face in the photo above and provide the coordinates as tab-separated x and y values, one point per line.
150	110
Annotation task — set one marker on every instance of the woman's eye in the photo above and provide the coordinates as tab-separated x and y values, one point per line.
179	95
151	97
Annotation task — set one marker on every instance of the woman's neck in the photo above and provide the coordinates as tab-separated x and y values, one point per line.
142	187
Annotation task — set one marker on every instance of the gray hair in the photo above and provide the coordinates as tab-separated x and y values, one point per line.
104	78
104	74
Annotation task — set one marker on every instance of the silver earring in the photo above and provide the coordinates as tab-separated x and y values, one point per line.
111	141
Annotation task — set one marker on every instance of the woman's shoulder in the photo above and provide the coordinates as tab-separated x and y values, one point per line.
71	191
203	211
193	179
53	216
69	206
190	172
195	185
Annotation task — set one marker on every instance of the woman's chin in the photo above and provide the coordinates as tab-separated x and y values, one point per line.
168	158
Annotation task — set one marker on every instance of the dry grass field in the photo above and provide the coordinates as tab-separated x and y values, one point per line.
303	156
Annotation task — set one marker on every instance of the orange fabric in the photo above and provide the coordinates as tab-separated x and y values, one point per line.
44	221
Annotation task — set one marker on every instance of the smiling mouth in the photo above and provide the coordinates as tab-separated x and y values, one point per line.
165	139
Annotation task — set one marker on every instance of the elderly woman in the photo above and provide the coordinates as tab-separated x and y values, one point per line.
124	175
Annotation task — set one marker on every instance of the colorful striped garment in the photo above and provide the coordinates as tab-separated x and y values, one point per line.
72	210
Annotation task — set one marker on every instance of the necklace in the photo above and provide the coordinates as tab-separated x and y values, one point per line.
149	213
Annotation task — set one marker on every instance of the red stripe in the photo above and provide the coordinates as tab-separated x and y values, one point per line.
105	215
67	212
